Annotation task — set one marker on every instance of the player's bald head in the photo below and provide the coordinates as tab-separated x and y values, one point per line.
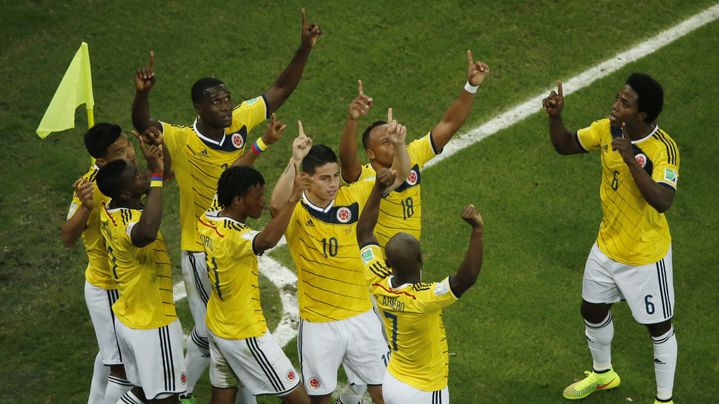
404	254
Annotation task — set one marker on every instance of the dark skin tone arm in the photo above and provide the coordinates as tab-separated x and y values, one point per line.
659	196
562	139
288	80
272	134
468	271
73	228
145	231
370	213
349	160
271	235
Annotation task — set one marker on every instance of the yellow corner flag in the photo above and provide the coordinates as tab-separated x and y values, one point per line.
74	90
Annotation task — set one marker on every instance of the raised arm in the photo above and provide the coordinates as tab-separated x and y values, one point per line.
458	112
271	235
468	271
289	78
145	231
283	189
563	140
349	159
74	226
368	218
272	134
144	81
401	163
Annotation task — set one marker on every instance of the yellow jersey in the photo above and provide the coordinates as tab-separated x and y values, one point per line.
143	275
412	315
234	310
323	245
401	209
198	162
97	272
632	231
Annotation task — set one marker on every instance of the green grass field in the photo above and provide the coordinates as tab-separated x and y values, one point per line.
517	337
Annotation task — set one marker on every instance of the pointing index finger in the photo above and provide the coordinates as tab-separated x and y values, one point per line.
389	114
560	91
151	66
301	129
360	87
304	16
470	59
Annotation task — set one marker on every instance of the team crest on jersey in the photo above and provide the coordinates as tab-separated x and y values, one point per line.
237	140
641	159
291	375
183	378
344	215
314	383
412	177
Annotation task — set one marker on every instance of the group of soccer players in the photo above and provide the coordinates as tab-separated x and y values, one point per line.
352	231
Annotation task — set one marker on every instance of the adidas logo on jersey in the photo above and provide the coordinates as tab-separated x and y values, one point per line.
204	153
309	223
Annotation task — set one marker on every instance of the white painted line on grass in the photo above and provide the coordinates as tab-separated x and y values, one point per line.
576	83
285	280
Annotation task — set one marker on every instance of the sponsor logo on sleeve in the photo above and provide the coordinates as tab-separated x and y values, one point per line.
442	288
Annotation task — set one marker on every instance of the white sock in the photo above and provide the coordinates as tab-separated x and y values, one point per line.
99	381
197	359
244	396
665	362
129	398
351	394
599	339
116	387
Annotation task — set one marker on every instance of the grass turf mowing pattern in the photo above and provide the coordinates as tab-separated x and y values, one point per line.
412	59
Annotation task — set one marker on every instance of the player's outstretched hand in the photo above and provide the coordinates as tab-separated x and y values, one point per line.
274	131
555	102
476	70
84	190
396	131
301	145
385	178
310	32
145	76
361	105
471	215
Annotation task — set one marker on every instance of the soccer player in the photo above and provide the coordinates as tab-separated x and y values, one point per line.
411	309
200	152
241	346
105	142
149	333
401	210
337	324
632	257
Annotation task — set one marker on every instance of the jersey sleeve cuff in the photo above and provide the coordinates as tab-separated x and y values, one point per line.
367	244
579	143
668	185
432	145
267	106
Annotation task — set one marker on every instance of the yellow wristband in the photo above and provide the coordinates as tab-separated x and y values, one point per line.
156	184
261	144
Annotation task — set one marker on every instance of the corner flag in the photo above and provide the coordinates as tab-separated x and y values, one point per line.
74	90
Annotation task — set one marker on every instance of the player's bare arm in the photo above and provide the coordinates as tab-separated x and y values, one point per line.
271	235
401	164
289	78
144	81
74	226
272	135
659	196
370	213
468	271
283	189
153	136
349	159
458	112
562	139
145	231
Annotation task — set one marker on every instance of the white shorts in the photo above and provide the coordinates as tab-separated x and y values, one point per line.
257	363
99	303
356	343
397	392
154	358
197	286
648	289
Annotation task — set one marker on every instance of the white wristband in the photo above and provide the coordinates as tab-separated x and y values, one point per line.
470	88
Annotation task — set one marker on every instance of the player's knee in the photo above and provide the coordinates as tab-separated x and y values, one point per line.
593	312
118	371
659	329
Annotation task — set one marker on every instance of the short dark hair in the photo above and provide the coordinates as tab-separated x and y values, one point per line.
650	95
201	85
365	135
109	178
236	181
100	137
318	156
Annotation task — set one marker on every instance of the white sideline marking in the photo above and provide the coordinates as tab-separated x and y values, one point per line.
576	83
286	280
